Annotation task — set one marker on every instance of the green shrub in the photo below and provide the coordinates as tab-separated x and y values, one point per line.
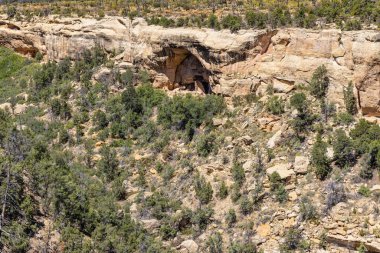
246	206
146	133
343	149
44	77
293	238
126	78
160	204
231	217
302	122
281	194
304	17
38	57
256	19
60	108
118	189
275	181
277	187
362	248
364	191
64	136
189	112
352	24
319	82
363	135
201	218
130	100
167	231
203	189
232	22
235	193
319	159
349	99
223	190
307	209
55	106
11	11
206	144
108	164
344	118
238	174
168	173
279	16
366	167
335	194
213	21
242	247
275	105
215	243
100	120
298	101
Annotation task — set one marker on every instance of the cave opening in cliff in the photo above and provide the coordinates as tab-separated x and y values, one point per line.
185	70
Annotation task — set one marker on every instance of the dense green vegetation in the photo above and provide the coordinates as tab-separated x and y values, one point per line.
42	177
15	72
216	14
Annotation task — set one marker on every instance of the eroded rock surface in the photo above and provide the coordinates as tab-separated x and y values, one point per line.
218	61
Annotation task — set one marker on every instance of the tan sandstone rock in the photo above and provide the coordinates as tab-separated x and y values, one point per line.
284	170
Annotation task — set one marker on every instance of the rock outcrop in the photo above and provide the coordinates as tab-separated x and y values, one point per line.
218	61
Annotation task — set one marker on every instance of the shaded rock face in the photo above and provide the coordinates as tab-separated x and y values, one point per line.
182	68
229	64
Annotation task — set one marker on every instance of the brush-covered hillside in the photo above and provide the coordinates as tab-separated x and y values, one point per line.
216	14
95	162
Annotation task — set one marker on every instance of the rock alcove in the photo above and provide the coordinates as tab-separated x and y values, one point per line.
184	70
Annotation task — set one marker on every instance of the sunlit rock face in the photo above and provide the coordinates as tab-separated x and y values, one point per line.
219	61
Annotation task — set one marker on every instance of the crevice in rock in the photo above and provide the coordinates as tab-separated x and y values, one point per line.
336	61
358	96
265	40
9	25
353	243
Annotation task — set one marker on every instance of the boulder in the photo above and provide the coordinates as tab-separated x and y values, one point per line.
282	86
263	230
284	170
275	139
353	243
248	165
190	246
104	76
150	224
219	122
375	188
292	196
246	140
301	164
161	81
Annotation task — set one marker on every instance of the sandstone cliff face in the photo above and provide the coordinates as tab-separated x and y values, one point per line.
232	64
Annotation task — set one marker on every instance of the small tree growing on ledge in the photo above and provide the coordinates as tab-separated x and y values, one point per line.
349	99
319	82
319	159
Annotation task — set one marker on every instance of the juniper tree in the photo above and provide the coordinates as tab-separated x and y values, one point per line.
319	159
319	82
349	99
